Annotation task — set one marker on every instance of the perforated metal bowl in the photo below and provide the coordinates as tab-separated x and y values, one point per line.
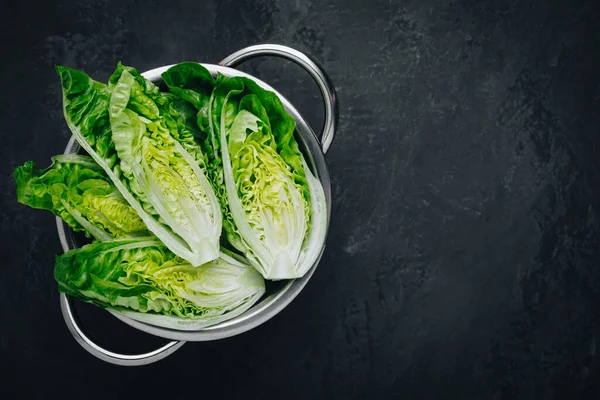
277	299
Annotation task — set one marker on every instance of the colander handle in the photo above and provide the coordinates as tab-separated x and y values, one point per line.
107	355
311	66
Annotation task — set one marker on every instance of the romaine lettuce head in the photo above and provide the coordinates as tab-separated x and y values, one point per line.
147	149
141	279
77	190
277	204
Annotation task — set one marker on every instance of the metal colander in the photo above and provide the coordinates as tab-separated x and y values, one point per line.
278	297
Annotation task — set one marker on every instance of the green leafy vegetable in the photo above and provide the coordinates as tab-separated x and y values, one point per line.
147	149
142	280
77	190
166	173
273	206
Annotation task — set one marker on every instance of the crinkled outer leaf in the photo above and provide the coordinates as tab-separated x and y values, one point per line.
193	83
142	280
137	136
273	206
77	190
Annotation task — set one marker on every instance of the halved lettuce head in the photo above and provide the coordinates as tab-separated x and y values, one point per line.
147	149
274	208
77	190
141	279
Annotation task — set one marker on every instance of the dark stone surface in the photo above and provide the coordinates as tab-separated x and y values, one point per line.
463	259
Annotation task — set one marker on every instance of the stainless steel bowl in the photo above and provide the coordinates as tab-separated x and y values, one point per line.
314	151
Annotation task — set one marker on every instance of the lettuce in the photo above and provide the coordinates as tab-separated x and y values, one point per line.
141	279
273	207
147	149
167	172
135	275
77	190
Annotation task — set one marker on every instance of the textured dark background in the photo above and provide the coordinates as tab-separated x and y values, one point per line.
463	259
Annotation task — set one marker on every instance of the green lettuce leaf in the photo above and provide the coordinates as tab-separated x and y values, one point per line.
135	133
193	83
77	190
141	279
